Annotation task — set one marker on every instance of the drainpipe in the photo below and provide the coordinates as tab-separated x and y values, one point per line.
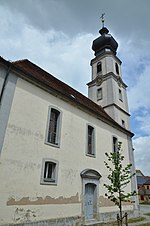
4	83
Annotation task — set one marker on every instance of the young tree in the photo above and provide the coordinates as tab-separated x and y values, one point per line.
119	177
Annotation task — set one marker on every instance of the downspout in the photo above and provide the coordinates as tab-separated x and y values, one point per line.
4	84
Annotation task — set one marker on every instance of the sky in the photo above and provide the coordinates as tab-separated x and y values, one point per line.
57	35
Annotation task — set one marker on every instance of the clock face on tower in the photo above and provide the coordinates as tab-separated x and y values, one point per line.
99	81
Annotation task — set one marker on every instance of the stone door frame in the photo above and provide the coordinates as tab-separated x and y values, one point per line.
90	176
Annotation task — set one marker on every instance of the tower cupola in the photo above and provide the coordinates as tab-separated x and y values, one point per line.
104	43
106	87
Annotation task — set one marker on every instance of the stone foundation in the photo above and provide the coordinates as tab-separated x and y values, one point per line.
77	221
70	221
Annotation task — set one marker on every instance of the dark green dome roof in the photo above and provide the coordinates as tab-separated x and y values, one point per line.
105	41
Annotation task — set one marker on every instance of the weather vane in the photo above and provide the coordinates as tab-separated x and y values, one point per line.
102	19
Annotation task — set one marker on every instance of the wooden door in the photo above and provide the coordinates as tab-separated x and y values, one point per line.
89	201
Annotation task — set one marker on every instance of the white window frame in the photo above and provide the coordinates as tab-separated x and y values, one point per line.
58	129
44	179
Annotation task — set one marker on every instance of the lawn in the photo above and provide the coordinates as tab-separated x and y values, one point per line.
146	224
133	220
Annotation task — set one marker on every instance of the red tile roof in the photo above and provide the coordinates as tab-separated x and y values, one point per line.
38	75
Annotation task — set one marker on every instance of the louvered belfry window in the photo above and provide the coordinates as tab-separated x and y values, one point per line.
99	67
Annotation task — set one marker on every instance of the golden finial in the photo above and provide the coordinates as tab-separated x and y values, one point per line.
102	19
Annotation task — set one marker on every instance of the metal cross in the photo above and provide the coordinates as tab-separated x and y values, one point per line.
102	18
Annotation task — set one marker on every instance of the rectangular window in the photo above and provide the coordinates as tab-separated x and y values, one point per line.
53	130
91	138
115	144
99	94
148	187
120	95
49	171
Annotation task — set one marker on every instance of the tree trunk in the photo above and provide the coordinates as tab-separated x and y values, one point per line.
120	208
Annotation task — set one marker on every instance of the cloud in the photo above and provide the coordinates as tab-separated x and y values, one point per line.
142	156
136	71
125	18
67	58
144	122
140	92
57	36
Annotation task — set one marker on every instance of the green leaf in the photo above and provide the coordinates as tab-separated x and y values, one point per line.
118	177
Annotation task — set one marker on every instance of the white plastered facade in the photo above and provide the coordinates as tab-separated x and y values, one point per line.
23	198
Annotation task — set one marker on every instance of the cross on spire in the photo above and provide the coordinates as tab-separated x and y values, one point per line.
102	19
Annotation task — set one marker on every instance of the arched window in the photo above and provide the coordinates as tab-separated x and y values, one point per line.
53	126
99	67
91	141
120	95
123	123
117	68
115	144
49	171
99	94
53	129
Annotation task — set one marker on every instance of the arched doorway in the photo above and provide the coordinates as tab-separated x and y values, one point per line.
90	193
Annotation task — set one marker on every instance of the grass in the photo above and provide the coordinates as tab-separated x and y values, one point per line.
145	203
134	220
146	224
115	224
147	214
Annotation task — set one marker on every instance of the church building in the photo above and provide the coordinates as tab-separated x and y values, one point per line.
53	141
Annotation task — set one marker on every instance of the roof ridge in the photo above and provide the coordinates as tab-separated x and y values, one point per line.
99	106
33	71
57	79
17	61
35	65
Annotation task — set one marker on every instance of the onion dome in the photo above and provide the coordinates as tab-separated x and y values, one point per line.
104	43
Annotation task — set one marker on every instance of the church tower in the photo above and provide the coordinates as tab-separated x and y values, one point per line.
107	87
